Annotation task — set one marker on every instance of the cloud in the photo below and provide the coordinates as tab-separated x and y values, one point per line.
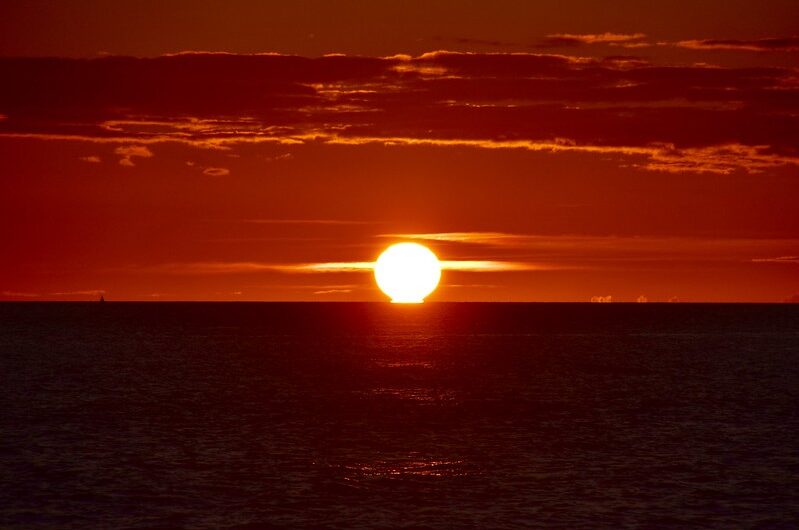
773	44
87	292
722	159
245	267
492	266
642	299
331	267
698	119
128	152
332	291
602	299
485	238
216	171
564	40
91	159
639	40
481	42
453	265
134	150
13	294
779	259
306	221
565	251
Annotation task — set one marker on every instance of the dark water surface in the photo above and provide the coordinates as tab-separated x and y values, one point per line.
371	415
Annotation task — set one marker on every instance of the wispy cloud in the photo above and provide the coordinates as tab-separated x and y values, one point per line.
306	221
332	267
780	44
494	266
245	267
779	259
129	152
721	159
639	40
453	265
216	171
559	40
494	43
14	294
87	292
560	247
679	119
484	238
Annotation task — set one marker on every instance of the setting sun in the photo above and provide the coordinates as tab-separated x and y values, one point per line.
407	272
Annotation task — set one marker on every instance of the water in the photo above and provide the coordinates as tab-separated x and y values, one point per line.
384	416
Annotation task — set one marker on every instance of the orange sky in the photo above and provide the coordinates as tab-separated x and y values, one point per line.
574	151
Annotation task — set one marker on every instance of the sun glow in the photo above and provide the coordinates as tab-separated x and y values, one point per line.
407	272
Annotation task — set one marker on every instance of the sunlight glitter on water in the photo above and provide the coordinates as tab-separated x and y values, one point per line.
425	395
404	364
412	466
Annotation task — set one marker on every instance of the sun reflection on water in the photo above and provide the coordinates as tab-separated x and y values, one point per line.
410	466
425	395
403	364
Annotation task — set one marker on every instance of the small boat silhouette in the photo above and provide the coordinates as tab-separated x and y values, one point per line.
102	298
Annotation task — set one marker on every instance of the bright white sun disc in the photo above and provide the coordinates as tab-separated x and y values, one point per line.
407	272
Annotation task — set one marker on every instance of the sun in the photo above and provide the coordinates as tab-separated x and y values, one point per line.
407	272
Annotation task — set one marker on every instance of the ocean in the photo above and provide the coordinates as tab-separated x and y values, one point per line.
348	415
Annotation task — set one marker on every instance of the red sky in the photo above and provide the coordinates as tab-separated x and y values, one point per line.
234	150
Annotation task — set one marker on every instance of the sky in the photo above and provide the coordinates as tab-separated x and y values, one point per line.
546	151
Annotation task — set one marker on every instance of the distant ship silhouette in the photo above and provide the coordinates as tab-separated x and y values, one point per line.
102	299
